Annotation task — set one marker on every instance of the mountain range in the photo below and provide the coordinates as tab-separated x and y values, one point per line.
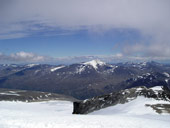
84	80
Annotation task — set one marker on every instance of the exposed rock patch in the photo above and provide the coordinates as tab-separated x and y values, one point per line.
121	97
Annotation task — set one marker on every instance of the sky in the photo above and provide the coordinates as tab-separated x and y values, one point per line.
71	31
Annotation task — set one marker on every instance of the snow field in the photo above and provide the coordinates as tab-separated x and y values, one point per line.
58	114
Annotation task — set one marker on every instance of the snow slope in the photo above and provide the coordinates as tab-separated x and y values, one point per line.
57	114
134	107
56	68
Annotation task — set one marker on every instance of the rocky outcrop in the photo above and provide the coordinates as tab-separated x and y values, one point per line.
31	96
121	97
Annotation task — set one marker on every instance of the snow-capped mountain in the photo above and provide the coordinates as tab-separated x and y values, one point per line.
95	66
95	63
83	80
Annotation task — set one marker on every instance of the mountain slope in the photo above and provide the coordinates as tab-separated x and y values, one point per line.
83	80
140	106
160	96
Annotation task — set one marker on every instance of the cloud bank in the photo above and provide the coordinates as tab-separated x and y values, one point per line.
22	57
26	57
21	18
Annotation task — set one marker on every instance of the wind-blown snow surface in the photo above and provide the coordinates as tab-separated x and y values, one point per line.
57	114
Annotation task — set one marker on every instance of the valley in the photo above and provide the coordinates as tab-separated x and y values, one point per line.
84	80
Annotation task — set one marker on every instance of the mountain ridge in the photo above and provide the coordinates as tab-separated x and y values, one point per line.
83	80
124	96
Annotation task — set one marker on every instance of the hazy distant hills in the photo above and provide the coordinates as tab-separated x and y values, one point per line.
84	80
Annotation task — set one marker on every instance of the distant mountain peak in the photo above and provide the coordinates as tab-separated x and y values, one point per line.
95	63
31	65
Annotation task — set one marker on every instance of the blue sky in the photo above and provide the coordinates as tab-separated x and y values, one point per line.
77	30
77	43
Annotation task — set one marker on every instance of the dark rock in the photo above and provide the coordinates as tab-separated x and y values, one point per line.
121	97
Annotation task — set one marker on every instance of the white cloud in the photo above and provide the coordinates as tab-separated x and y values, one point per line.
145	15
22	57
12	35
150	49
19	18
25	57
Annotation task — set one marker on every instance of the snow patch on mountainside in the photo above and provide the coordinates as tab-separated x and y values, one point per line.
13	94
56	68
113	67
143	63
32	65
80	69
157	88
166	74
166	80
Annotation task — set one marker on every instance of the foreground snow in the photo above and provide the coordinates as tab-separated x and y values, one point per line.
57	114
